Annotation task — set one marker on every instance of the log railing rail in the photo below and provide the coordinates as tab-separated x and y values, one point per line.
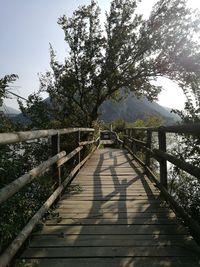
161	155
58	158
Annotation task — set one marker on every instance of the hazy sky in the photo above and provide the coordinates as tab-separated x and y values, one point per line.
27	28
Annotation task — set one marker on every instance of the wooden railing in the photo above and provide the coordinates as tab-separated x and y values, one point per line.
161	155
56	161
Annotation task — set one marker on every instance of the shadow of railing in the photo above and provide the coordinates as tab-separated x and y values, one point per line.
123	219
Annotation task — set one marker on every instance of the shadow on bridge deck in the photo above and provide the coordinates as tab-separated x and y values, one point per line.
117	217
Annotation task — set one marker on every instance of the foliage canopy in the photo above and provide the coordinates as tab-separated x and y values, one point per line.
129	52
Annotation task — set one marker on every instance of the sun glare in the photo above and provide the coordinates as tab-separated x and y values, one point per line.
194	4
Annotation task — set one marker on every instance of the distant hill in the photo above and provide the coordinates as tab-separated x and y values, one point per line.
131	109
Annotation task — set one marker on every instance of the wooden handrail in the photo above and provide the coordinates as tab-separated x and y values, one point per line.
12	188
138	142
159	155
193	224
9	253
15	137
162	156
85	143
58	158
189	168
192	128
63	160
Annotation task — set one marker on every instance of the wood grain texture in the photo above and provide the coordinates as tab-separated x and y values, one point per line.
116	262
112	215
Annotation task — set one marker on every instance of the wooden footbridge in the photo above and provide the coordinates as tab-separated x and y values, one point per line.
114	213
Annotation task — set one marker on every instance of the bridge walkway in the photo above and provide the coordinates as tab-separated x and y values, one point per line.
112	215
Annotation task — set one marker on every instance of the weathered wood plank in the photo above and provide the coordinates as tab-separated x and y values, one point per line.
125	221
145	209
116	262
67	252
117	181
125	205
114	229
96	197
113	215
129	179
109	240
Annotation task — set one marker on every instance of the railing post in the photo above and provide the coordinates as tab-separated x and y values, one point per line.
148	155
134	145
55	146
163	162
124	138
79	153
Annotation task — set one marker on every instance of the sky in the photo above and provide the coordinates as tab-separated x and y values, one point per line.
27	28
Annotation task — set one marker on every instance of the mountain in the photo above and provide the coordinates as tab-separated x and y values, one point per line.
131	108
8	111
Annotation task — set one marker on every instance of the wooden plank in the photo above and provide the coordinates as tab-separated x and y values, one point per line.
125	221
117	181
67	252
116	262
97	186
115	209
114	229
129	186
106	195
114	184
110	205
110	164
133	177
121	180
94	164
111	188
121	191
110	170
108	215
106	198
115	195
111	202
106	173
108	240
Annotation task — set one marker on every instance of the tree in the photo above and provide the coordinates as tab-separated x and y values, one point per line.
129	53
6	124
15	160
4	84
